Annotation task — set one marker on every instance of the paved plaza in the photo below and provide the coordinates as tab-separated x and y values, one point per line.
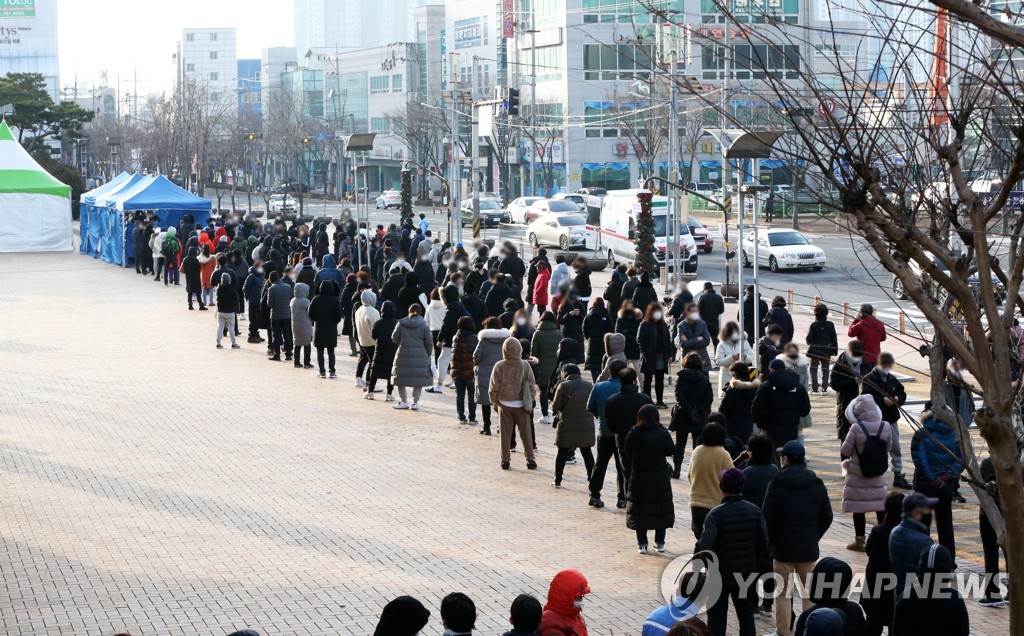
156	485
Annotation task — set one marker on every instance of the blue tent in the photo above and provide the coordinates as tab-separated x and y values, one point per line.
87	204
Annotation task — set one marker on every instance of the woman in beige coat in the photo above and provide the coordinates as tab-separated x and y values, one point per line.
505	391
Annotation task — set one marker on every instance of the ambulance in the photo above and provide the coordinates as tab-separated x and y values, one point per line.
615	236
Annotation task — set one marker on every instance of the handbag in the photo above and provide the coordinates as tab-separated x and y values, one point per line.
527	396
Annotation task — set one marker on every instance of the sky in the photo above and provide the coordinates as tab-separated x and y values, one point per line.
124	35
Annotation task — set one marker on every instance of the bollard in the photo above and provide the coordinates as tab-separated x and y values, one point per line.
846	313
817	300
789	297
903	323
663	273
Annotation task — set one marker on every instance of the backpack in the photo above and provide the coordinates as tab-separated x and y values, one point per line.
874	459
169	248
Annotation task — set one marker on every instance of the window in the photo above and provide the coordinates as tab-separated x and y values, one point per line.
190	68
396	83
845	51
379	84
754	11
712	59
761	61
213	55
623	11
549	64
214	77
213	37
380	125
549	13
190	37
598	120
616	61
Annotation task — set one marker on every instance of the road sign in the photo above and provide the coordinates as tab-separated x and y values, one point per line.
826	106
419	172
575	176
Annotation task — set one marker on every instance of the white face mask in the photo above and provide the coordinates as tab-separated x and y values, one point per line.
259	270
884	371
854	359
694	317
656	315
578	603
521	322
734	337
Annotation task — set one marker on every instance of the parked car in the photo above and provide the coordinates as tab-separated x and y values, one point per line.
782	188
701	235
517	209
388	199
936	292
563	230
541	207
578	199
491	213
282	203
703	187
294	186
592	192
782	249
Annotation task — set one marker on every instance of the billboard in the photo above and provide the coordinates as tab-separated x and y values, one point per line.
17	9
508	19
470	33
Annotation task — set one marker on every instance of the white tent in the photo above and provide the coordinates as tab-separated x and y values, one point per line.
35	208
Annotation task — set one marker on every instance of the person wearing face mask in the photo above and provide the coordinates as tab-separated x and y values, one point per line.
627	323
536	264
846	380
655	345
252	290
910	538
521	327
798	364
595	326
769	347
938	462
693	336
563	613
889	394
731	348
645	294
711	306
540	294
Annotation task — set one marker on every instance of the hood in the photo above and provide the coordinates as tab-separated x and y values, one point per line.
171	232
450	294
193	252
252	270
225	280
796	477
571	372
413	322
825	621
494	334
329	262
388	310
864	409
614	343
617	276
412	279
569	349
783	380
512	349
566	587
935	560
327	288
790	364
740	384
301	290
546	324
368	298
831	582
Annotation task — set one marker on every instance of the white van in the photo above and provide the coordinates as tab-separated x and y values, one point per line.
616	237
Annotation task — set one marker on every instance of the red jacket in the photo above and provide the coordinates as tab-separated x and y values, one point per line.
540	286
871	332
561	617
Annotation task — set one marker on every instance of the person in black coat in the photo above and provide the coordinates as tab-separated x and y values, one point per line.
711	306
613	293
496	296
474	305
512	265
595	326
409	294
888	392
680	302
693	404
830	587
760	470
325	314
385	350
656	349
621	411
393	286
190	268
752	329
737	400
779	404
768	348
822	346
627	322
644	294
779	315
878	603
846	378
649	491
735	532
571	313
139	244
581	279
938	610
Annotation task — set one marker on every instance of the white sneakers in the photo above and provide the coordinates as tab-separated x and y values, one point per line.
414	406
401	406
546	419
361	383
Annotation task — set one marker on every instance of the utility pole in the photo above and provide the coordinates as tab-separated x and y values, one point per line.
533	100
673	142
453	194
474	151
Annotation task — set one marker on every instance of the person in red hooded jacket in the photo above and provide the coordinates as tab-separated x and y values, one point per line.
540	297
870	331
563	613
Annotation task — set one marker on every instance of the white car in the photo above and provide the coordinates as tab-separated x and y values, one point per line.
782	188
389	199
541	207
781	249
517	208
563	230
282	203
578	199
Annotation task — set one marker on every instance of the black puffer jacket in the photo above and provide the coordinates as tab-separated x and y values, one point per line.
756	478
943	613
595	326
572	326
735	531
830	587
409	294
649	493
384	352
779	404
644	295
736	407
693	395
452	313
654	341
628	324
621	409
885	385
797	513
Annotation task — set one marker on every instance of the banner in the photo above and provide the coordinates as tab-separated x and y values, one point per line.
17	9
444	61
508	19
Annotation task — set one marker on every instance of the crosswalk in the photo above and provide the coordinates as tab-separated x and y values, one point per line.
914	319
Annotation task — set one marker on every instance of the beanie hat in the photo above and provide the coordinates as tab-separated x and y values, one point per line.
404	616
731	481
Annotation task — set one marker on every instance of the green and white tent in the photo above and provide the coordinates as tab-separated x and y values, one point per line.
35	208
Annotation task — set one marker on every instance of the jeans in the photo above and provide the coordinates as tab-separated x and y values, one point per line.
171	276
784	602
509	419
443	360
207	295
365	355
718	613
659	385
282	331
564	453
403	395
824	363
225	321
464	389
894	453
302	349
990	548
680	452
641	536
606	450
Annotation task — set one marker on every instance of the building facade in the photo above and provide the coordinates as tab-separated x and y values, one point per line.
208	57
343	25
28	41
249	87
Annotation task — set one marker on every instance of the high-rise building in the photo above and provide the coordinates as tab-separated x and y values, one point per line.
208	57
249	88
351	24
28	40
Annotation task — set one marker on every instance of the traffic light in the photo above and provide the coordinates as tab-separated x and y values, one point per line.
306	140
254	136
513	101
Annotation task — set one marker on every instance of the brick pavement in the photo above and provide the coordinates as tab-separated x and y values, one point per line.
154	484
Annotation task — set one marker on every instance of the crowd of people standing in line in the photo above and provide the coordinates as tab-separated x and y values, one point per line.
425	316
